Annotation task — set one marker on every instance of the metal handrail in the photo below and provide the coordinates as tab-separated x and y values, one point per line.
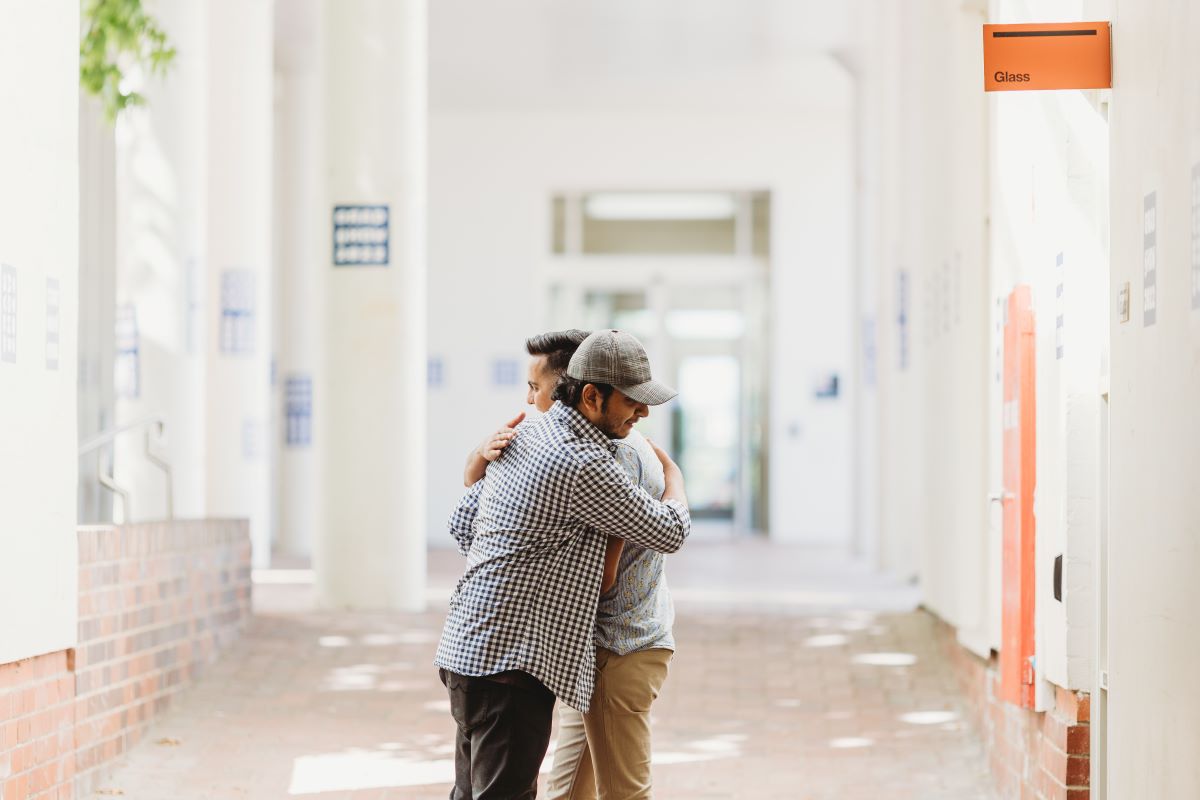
156	428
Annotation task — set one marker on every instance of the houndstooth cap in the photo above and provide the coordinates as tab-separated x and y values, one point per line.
618	359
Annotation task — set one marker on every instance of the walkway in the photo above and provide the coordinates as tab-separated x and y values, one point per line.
798	677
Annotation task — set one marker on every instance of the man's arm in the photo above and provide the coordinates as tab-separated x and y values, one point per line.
605	498
489	451
612	560
672	475
462	520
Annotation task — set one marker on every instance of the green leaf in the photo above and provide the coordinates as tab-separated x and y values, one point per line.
118	34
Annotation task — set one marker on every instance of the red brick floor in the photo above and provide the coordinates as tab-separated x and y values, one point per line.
806	682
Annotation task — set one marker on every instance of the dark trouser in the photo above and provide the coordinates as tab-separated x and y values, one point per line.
503	733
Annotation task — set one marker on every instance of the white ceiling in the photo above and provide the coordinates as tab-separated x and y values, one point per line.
611	54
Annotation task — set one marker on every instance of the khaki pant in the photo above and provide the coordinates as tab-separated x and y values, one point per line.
606	752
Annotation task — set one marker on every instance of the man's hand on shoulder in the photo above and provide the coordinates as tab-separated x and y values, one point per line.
494	445
490	450
672	475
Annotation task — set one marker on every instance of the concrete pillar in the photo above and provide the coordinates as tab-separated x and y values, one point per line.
161	192
97	303
238	244
301	253
370	403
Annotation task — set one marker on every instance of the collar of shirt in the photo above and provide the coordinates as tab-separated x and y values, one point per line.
580	425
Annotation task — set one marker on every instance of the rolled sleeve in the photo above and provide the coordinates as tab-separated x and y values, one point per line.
462	520
605	498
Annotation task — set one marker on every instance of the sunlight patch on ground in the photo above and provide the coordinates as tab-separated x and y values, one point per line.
333	641
850	742
368	678
928	717
886	659
857	622
825	640
714	749
365	769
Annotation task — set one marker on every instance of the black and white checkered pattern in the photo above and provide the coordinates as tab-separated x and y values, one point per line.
533	531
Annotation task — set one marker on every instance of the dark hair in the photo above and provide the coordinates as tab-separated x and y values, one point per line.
557	347
569	391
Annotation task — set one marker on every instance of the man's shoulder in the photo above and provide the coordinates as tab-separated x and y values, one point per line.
638	451
639	444
548	440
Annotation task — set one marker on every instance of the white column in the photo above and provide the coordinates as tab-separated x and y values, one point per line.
39	314
238	244
301	253
97	302
370	406
160	258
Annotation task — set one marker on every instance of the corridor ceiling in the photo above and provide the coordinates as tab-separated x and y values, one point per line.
685	55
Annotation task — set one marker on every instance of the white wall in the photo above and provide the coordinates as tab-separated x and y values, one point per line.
39	240
1154	539
925	227
491	178
161	192
968	196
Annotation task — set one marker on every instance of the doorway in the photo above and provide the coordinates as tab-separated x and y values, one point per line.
693	291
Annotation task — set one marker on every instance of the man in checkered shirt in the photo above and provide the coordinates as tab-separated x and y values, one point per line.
520	630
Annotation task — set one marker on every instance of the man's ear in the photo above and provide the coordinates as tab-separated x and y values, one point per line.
589	395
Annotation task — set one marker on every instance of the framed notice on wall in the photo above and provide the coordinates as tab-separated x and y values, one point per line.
361	235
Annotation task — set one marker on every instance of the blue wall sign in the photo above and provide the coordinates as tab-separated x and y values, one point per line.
504	372
237	311
298	410
902	317
8	313
435	373
53	322
128	369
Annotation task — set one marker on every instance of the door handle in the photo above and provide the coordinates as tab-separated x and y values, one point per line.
1000	497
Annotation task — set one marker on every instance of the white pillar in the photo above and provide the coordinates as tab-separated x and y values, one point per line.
39	261
160	258
238	244
370	406
97	302
301	254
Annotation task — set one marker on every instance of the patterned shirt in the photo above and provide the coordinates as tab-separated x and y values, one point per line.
533	531
637	613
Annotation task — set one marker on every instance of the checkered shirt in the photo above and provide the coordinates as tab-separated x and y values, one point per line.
533	531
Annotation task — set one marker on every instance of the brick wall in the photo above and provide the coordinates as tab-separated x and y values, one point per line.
157	602
1033	755
37	727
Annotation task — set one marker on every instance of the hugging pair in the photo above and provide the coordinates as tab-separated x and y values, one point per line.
563	526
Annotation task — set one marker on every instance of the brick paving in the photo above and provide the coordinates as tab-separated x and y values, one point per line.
805	683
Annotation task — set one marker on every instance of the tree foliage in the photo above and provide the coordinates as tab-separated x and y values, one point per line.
117	35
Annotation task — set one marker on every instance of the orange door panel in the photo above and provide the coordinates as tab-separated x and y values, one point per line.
1020	441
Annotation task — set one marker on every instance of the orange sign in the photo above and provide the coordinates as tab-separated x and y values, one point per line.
1056	55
